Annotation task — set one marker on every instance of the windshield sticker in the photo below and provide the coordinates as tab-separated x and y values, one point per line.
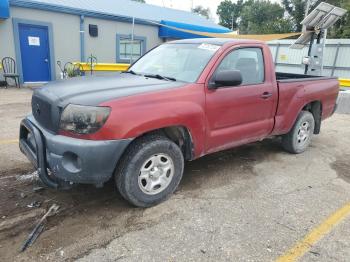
209	47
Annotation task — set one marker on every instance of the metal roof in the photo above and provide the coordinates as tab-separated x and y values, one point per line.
118	8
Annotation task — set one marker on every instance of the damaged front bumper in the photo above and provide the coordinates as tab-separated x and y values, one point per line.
60	159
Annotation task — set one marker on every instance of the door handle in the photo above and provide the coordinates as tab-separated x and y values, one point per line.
266	95
46	60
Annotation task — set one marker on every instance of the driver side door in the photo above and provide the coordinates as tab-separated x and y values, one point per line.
240	114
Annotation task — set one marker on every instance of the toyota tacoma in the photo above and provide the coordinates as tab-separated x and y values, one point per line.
178	102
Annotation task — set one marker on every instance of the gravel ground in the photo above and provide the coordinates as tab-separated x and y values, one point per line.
246	204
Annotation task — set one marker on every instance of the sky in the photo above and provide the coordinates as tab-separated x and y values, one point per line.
187	5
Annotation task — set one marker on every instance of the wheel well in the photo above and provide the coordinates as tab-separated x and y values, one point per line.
315	108
181	136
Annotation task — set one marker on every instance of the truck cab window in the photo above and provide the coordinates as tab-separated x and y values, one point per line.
249	61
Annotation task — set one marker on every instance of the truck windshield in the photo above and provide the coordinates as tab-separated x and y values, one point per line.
183	62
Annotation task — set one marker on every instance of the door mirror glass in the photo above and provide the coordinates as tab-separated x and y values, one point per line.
227	78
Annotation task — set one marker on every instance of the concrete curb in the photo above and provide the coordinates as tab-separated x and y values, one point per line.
343	102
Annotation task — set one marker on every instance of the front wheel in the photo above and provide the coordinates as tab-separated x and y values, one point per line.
299	138
150	170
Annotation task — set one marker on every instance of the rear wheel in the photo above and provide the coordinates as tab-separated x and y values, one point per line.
150	170
299	138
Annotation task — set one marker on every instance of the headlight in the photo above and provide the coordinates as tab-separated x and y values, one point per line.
83	119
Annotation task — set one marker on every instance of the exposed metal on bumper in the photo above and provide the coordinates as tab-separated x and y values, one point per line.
69	159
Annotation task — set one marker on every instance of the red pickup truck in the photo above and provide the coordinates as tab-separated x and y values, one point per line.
180	101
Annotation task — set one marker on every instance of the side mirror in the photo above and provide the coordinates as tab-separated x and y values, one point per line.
226	78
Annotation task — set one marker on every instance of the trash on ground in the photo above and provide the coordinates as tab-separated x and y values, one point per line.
28	177
39	227
38	189
34	204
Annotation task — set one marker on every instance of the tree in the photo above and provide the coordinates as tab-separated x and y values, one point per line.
263	17
229	13
296	11
140	1
205	12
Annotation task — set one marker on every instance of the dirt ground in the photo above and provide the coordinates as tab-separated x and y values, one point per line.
246	204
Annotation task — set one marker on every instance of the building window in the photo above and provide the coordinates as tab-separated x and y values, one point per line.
130	50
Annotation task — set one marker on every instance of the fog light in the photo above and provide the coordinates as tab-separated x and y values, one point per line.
71	162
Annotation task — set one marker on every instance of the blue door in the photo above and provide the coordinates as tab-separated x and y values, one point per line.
35	53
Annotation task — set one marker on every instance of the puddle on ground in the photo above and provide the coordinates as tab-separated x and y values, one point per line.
342	166
219	169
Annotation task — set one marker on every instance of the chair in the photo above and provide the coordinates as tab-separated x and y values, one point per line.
9	68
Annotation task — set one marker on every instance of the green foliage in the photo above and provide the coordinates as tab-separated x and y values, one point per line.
140	1
296	10
201	11
229	13
264	17
254	17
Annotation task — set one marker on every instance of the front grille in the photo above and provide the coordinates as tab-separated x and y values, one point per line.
42	113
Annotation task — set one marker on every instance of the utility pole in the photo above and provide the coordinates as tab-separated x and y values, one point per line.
132	39
232	21
308	3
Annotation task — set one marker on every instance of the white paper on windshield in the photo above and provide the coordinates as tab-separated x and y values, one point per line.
209	47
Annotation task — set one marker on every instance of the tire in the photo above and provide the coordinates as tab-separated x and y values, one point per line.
149	171
299	138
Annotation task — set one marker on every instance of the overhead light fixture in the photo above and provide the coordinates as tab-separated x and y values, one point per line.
312	19
331	18
302	40
321	18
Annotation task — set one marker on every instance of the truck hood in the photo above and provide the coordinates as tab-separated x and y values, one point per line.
49	100
93	90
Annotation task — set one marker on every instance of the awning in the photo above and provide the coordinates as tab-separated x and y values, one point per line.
4	9
169	29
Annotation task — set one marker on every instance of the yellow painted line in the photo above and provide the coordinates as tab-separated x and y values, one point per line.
103	66
8	141
315	235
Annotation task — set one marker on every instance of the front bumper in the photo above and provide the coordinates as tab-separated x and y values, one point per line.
65	159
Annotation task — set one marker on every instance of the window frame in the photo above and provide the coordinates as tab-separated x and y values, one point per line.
236	49
120	37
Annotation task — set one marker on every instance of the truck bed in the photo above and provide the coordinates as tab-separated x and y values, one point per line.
290	77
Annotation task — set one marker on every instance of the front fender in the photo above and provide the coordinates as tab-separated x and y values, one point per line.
134	116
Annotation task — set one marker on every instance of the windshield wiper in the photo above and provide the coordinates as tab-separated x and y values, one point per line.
130	72
160	77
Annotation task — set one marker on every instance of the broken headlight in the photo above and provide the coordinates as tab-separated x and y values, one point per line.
83	119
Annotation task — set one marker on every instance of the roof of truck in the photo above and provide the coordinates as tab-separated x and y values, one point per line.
214	41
